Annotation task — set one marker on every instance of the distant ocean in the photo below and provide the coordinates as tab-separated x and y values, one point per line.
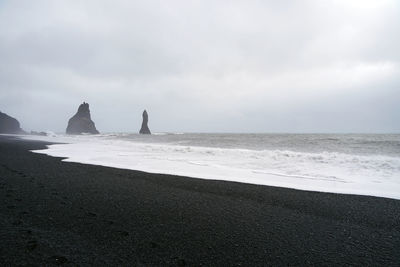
365	164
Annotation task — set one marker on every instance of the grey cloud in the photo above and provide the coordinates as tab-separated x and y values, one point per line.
202	65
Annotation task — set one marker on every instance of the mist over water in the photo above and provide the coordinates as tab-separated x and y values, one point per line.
367	164
359	144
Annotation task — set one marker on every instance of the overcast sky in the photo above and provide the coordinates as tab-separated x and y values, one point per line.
203	66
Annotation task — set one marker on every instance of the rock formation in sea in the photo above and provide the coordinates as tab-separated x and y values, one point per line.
9	125
81	122
145	128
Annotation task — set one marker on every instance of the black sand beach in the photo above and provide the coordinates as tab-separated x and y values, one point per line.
54	213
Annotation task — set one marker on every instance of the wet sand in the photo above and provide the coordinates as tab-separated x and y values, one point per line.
54	212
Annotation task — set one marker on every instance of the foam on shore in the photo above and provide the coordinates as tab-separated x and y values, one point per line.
325	172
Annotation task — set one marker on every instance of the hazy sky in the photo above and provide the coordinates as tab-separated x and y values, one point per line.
203	66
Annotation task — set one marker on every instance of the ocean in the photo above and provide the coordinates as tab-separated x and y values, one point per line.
364	164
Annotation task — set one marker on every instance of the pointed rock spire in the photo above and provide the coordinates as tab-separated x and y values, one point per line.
145	128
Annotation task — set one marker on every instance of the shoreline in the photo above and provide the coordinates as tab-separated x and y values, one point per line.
329	172
57	212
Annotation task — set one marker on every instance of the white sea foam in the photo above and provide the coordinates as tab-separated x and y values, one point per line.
376	175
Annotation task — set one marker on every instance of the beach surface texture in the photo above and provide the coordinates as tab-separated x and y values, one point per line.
54	212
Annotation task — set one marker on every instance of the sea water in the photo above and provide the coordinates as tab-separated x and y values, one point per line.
365	164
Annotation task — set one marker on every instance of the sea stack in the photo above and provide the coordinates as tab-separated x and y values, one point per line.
145	128
81	122
9	125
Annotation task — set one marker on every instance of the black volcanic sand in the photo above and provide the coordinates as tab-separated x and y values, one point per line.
55	212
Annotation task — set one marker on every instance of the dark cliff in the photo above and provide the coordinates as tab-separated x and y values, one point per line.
9	125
